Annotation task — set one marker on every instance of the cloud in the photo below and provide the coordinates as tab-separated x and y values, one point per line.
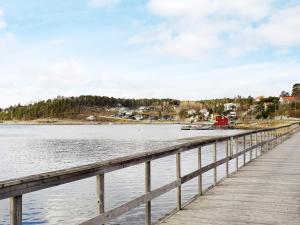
27	81
196	28
7	39
103	3
2	22
283	28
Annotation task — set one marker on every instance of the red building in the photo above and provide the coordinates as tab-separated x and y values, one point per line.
221	121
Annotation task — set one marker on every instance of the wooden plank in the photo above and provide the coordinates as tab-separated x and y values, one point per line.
16	210
244	155
265	191
100	193
116	212
227	161
178	175
199	167
251	144
237	151
147	190
215	160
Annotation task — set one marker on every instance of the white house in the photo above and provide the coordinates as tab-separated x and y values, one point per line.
91	118
191	112
230	106
205	113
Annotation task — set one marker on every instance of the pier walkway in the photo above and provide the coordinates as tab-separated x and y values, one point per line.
266	191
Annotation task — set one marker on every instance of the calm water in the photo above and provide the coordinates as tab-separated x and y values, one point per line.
28	149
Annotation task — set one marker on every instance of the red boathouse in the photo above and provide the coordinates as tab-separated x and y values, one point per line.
221	121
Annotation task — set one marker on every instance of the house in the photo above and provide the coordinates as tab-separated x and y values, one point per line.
191	112
267	104
138	117
142	109
289	100
123	109
91	118
232	115
205	113
259	98
230	106
221	121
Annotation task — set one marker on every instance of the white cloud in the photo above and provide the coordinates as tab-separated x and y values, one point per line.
283	28
248	9
193	28
2	22
103	3
28	81
7	39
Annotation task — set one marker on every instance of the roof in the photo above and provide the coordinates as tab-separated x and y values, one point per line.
291	98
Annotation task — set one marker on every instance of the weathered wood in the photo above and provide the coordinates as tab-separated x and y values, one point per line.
118	211
178	175
16	210
227	159
266	191
199	167
204	169
147	190
215	160
100	193
237	151
231	147
244	155
256	141
251	143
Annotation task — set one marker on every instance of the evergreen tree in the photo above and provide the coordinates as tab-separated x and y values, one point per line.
296	90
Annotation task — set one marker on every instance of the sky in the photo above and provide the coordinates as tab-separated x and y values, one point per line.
188	50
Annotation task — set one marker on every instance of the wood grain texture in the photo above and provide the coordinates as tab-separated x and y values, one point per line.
264	192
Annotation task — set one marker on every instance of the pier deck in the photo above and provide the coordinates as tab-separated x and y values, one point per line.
266	191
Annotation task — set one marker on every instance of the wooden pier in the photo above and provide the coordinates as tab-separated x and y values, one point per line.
265	190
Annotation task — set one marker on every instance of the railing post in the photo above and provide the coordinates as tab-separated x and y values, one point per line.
199	167
251	139
256	142
272	142
215	160
231	147
237	151
148	189
268	138
100	193
178	175
261	140
227	161
244	155
16	210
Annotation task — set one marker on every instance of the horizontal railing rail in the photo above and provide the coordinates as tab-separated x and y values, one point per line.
265	139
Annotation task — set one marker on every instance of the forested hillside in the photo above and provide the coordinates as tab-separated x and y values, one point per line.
70	107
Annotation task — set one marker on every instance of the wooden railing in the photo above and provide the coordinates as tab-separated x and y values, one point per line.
260	142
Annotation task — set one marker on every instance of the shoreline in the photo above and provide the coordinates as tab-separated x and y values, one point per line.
81	122
245	125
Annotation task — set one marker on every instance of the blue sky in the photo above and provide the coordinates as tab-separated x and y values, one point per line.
192	49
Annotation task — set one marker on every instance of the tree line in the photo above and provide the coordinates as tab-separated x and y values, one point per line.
70	107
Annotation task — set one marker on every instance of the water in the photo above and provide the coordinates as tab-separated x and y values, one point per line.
32	149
